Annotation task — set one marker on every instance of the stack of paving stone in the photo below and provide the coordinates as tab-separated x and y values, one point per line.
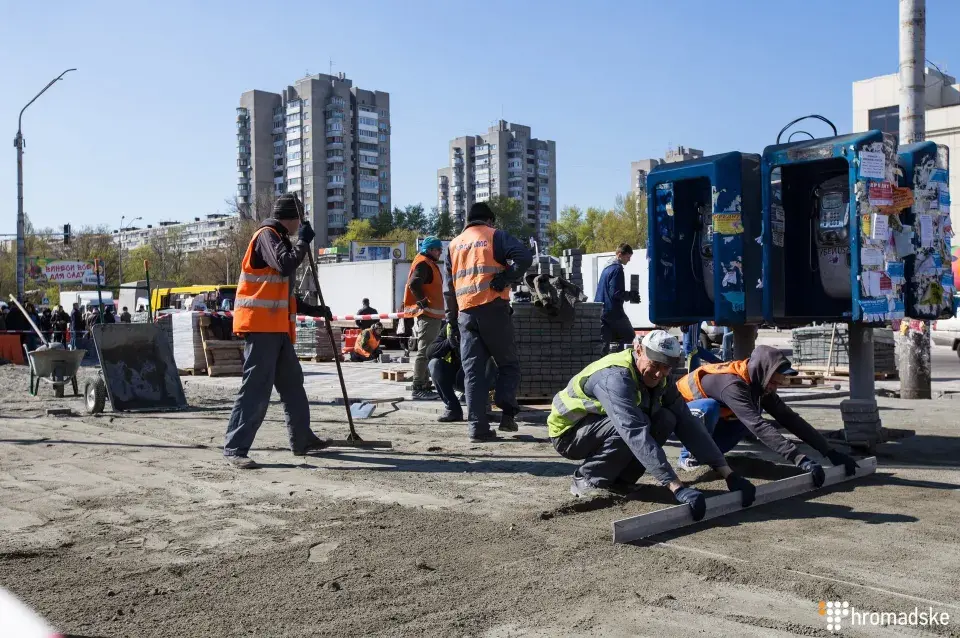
313	342
811	349
550	351
187	341
165	323
861	422
572	262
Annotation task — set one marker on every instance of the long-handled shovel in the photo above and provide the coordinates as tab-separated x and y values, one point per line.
361	410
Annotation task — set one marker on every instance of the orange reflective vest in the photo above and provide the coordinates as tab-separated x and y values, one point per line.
372	341
473	267
433	291
264	302
692	390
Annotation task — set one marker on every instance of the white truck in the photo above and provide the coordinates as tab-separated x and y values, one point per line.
86	299
344	285
593	265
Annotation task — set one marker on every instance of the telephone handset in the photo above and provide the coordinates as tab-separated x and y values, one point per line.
705	246
830	224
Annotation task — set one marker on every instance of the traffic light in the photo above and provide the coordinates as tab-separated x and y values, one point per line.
66	234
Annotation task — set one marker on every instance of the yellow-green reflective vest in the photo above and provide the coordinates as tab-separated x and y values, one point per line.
572	404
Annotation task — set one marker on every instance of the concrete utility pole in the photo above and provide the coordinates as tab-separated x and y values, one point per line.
915	344
21	222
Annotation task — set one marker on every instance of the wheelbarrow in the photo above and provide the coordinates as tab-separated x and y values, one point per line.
57	367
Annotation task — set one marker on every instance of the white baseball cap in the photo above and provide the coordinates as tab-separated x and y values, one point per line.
662	347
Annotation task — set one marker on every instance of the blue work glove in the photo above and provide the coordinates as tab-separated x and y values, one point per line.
693	498
839	458
815	469
305	234
747	490
499	282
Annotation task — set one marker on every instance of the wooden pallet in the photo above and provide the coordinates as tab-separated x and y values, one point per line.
224	356
316	359
395	375
838	372
810	379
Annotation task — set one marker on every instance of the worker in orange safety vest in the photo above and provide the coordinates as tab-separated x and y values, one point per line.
482	264
265	316
367	347
423	300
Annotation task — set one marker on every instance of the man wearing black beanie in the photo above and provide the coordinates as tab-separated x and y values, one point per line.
265	316
482	263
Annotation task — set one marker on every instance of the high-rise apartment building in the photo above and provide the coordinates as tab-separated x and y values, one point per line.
505	161
322	138
640	169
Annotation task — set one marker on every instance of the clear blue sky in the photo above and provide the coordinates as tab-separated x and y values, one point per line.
146	126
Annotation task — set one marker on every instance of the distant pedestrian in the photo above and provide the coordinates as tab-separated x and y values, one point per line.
108	316
125	316
615	325
366	309
77	325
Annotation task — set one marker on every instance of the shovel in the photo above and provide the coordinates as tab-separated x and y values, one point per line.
353	439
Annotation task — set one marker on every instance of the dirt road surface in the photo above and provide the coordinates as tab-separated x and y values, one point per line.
132	525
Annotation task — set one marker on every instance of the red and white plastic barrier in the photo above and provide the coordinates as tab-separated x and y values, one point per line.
382	315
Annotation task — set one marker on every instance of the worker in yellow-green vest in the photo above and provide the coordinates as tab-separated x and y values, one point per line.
616	415
446	371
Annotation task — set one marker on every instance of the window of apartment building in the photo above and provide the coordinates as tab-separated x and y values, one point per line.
306	129
364	146
383	137
369	121
384	199
293	117
383	174
307	155
293	181
886	119
309	207
306	168
293	130
332	192
368	210
293	156
383	126
383	112
383	149
306	194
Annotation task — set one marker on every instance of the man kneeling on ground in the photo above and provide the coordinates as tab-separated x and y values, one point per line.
729	398
446	370
367	347
616	415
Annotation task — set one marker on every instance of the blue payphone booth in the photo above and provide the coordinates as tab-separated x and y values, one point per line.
827	239
925	234
703	222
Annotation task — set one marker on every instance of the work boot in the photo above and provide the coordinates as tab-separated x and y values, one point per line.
484	437
421	394
582	488
507	423
242	462
312	447
449	416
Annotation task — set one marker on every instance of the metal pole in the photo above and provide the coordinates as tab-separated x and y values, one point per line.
120	254
914	343
21	224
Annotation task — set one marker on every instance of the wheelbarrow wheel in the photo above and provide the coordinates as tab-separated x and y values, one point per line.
95	396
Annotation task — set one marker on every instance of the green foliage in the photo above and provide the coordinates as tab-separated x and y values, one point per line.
510	217
357	230
599	230
442	225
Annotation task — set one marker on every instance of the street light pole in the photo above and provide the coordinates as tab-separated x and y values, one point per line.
21	223
120	252
914	344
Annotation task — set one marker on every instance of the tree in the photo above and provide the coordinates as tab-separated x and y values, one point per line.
259	209
383	223
441	225
598	230
509	217
405	235
357	230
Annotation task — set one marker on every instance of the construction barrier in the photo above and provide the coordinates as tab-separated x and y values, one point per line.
10	348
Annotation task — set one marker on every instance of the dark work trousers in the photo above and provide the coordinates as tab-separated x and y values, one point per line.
448	379
606	457
487	332
615	330
270	362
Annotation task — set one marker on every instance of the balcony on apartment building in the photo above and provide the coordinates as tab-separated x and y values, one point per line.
293	107
335	220
334	198
278	127
335	159
368	137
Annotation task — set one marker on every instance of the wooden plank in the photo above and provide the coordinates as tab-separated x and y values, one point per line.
225	370
670	518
